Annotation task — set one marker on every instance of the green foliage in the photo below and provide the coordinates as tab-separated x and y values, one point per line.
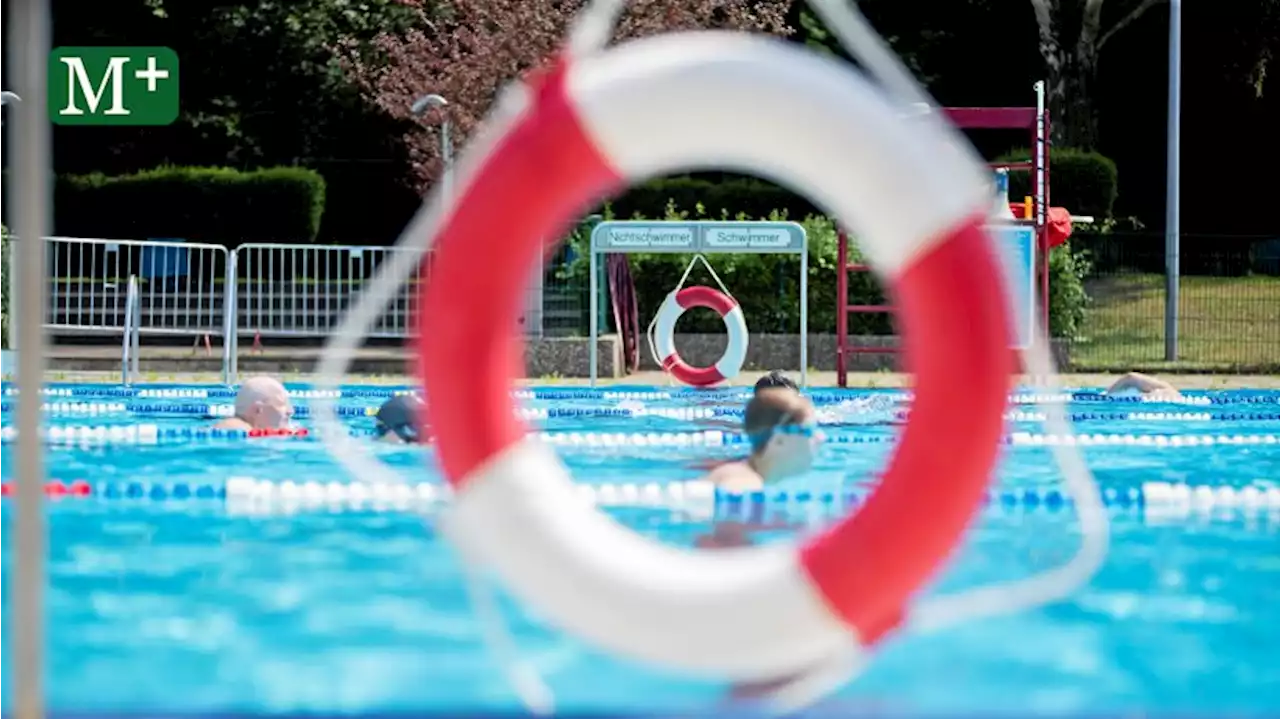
1086	183
747	196
767	285
198	204
1067	297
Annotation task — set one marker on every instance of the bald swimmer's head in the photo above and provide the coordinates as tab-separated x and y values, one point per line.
263	403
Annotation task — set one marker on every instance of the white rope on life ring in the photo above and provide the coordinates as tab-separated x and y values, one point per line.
590	126
662	330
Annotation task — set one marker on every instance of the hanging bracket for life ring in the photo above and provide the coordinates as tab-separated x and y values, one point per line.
593	125
661	330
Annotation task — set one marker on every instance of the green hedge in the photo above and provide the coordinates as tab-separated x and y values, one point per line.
750	197
1083	182
198	204
767	285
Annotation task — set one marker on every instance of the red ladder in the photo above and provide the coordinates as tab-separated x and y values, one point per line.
844	349
1033	119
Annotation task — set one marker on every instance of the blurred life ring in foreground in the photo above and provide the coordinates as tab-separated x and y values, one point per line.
585	129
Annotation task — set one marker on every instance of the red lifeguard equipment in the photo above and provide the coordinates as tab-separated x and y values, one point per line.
1053	225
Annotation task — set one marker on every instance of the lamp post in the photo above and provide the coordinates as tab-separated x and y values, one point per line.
1173	185
5	99
422	106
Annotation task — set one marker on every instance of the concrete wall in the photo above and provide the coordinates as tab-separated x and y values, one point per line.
568	358
548	357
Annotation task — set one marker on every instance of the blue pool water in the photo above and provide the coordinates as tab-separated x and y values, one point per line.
187	606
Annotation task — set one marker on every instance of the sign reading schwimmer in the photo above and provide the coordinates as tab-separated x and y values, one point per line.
642	236
113	86
694	238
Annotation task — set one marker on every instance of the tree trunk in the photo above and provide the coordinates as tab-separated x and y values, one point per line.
1071	39
1070	69
1076	121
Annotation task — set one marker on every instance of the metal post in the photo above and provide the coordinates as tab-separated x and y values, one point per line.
446	153
804	313
29	42
1172	187
230	319
593	321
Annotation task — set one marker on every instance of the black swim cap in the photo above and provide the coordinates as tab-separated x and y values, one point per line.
775	379
400	414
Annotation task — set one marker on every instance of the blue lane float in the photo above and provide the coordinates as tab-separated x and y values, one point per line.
826	415
141	434
674	495
619	394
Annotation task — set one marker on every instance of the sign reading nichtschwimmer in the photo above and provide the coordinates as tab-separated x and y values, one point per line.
698	237
645	236
113	86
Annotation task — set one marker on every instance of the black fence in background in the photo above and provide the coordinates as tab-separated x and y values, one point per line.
1228	302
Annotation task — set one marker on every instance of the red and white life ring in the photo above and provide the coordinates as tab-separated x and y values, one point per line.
735	324
587	128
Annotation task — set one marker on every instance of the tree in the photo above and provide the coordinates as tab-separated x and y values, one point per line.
469	52
1072	35
261	82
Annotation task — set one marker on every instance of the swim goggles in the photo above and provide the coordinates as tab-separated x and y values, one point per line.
808	429
406	431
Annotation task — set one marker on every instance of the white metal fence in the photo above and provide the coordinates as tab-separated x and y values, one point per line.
180	286
302	290
257	291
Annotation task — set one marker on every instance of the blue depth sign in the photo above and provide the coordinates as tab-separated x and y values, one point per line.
1017	245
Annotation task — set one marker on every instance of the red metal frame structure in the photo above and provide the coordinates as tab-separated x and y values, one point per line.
1033	119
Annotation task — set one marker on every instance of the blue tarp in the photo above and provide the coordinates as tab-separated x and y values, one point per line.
158	262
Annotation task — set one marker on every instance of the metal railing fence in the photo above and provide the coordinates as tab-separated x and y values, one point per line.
1229	304
259	290
181	285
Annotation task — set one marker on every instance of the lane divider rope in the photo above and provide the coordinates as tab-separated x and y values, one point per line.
152	434
817	395
825	415
652	494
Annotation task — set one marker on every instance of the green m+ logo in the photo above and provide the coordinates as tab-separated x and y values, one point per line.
113	86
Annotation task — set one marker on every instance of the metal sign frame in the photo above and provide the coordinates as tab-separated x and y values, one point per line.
700	237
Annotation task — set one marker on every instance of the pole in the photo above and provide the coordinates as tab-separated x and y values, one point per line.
594	300
29	40
446	154
1173	185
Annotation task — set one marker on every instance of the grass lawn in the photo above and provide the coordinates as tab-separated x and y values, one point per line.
1225	323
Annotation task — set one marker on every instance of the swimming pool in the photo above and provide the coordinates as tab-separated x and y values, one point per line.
291	595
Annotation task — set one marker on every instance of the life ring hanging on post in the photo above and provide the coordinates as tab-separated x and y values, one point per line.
662	330
587	128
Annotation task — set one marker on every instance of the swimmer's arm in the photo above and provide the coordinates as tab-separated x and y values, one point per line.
1141	382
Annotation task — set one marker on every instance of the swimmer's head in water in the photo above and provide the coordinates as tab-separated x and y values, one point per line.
783	430
263	403
775	379
399	419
